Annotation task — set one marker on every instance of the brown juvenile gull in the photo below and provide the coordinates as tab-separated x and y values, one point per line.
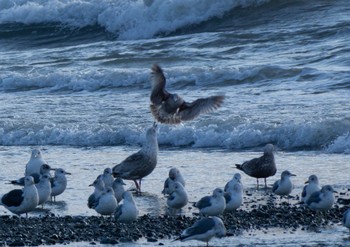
261	167
171	108
140	164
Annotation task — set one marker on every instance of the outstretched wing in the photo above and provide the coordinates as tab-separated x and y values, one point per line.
159	113
158	94
189	111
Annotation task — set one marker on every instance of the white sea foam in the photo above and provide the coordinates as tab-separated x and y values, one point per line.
131	19
289	136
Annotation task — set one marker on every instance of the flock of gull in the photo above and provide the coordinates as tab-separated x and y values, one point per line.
110	197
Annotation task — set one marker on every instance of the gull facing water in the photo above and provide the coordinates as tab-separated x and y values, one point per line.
233	197
127	211
106	204
177	198
235	179
174	176
34	163
262	167
140	164
99	186
118	187
204	230
171	108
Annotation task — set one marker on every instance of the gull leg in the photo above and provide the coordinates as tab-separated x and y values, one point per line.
137	186
265	183
257	184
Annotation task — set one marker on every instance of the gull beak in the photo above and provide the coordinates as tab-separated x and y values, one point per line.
68	173
293	175
306	182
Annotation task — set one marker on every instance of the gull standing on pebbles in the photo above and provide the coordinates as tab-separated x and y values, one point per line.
177	198
106	204
234	197
58	183
262	167
322	200
99	186
235	179
34	163
22	201
212	205
107	177
118	187
44	189
171	108
283	186
204	230
174	176
44	169
311	187
127	211
142	163
346	219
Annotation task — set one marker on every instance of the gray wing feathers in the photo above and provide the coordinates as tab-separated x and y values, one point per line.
204	202
203	105
200	227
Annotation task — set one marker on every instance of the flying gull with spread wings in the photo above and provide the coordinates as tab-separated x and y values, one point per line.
171	108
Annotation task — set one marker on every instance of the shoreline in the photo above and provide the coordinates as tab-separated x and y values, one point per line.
51	229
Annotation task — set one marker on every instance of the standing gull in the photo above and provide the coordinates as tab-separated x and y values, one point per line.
346	219
127	211
261	167
322	200
107	177
118	187
34	163
212	205
283	186
174	176
234	197
311	187
58	183
44	189
177	198
142	163
99	186
204	230
21	201
171	108
44	169
106	204
235	179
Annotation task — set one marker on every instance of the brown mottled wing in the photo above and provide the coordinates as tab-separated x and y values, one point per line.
158	94
132	167
189	111
162	116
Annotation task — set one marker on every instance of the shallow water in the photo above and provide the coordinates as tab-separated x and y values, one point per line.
203	170
75	81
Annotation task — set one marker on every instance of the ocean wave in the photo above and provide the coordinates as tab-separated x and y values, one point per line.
129	19
177	77
326	136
